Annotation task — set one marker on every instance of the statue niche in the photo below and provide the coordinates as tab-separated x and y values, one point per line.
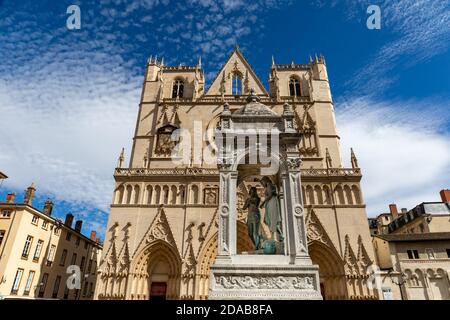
264	222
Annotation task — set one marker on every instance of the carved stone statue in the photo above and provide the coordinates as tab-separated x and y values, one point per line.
272	216
253	217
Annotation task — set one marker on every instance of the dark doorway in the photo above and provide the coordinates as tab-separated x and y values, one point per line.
322	290
158	291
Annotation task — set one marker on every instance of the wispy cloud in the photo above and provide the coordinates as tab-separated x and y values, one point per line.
69	99
404	153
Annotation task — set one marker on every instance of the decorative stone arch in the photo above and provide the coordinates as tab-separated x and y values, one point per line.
145	263
241	156
209	252
331	270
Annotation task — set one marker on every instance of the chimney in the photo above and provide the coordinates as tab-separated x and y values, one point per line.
93	235
10	197
404	210
69	220
445	195
48	207
78	225
393	210
29	195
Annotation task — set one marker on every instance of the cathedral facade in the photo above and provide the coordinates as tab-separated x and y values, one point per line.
162	231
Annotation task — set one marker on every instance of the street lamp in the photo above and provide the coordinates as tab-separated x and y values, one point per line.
400	281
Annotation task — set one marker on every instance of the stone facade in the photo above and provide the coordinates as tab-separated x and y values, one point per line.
162	230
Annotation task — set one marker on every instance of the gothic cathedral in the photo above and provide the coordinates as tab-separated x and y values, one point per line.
162	231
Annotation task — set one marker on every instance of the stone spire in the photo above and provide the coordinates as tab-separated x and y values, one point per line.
353	159
29	194
121	159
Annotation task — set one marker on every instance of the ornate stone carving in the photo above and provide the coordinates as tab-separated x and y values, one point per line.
263	282
293	163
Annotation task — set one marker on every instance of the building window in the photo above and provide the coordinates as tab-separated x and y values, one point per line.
430	253
16	283
413	254
2	236
82	263
236	85
74	259
178	88
294	87
68	236
85	288
62	261
56	287
77	242
35	220
6	214
28	284
51	255
42	285
37	251
45	225
86	245
91	290
89	266
448	253
57	231
27	247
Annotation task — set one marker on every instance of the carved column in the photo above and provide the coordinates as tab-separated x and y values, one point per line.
227	212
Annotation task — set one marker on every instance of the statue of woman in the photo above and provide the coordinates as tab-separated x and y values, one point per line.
272	216
253	217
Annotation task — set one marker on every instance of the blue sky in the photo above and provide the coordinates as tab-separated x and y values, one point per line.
69	99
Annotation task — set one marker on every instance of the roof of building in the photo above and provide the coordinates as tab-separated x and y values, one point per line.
3	176
415	236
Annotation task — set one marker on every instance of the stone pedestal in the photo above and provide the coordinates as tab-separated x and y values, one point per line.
264	278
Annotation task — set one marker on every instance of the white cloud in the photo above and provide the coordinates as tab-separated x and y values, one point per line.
404	156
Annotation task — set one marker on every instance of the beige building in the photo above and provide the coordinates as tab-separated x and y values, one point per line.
36	250
162	230
414	266
412	249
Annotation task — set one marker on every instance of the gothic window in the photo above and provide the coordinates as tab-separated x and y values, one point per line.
356	195
194	196
129	192
178	88
294	87
136	194
149	194
164	143
182	194
236	84
173	191
348	195
318	193
157	194
165	194
310	194
326	191
340	194
120	194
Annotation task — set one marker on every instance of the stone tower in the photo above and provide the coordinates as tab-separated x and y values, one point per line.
161	237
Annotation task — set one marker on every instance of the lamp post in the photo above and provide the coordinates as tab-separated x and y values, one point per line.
400	281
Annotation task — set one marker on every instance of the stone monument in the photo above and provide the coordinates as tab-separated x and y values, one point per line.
279	267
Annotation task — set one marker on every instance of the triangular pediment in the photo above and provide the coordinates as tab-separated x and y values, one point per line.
236	64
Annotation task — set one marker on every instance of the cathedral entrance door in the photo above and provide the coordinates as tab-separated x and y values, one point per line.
158	291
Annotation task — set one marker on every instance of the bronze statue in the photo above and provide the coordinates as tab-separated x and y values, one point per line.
272	216
253	217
